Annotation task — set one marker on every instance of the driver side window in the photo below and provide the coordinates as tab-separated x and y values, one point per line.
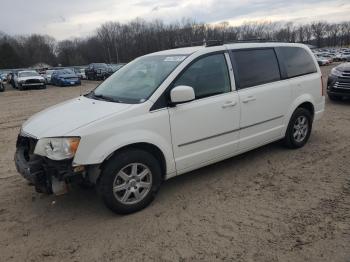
208	76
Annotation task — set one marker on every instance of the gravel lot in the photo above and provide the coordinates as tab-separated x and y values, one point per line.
271	204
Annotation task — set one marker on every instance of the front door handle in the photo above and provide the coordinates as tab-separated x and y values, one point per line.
249	99
229	104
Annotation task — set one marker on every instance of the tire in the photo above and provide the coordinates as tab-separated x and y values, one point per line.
112	177
2	87
20	88
334	97
293	139
43	87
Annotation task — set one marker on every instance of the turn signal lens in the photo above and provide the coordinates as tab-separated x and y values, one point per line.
74	143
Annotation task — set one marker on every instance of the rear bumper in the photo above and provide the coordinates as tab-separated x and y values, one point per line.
70	83
319	109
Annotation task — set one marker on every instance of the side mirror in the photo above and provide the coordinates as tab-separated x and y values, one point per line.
182	94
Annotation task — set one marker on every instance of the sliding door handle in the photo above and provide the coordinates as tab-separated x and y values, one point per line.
249	99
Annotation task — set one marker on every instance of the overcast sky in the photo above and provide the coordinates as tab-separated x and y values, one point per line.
73	18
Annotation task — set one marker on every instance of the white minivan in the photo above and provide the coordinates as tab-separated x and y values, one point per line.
170	112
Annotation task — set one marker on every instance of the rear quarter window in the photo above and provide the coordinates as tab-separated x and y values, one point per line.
295	61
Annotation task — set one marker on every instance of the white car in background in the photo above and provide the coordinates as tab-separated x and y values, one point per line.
48	75
323	61
170	112
346	56
27	79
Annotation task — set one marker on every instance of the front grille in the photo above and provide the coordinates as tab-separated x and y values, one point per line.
346	74
33	81
72	79
342	85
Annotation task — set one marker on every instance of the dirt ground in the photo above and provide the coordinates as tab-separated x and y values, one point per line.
271	204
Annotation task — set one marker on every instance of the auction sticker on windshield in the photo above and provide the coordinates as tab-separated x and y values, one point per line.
174	58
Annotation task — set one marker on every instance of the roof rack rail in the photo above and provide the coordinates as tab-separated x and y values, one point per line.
252	40
208	43
216	42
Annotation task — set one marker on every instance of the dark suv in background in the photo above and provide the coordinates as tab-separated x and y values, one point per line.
97	71
338	84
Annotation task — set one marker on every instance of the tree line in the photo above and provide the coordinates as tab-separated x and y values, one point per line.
115	42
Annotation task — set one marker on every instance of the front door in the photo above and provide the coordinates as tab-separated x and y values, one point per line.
208	127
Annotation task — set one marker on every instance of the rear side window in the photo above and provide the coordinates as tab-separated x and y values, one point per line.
296	61
255	67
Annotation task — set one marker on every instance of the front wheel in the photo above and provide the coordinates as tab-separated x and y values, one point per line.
130	181
2	87
299	128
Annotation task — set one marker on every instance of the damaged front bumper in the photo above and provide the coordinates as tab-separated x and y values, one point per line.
47	176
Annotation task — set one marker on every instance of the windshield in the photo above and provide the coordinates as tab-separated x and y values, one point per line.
28	73
136	81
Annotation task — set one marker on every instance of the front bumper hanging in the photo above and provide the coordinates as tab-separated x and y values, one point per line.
47	176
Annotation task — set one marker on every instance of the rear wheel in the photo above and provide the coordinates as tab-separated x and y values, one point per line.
130	181
299	128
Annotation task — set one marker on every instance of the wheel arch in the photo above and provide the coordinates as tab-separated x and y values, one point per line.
308	106
148	147
306	101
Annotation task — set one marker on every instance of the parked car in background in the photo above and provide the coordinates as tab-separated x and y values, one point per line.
65	77
3	76
170	112
2	86
80	72
115	67
27	79
338	84
346	56
323	61
98	71
11	77
48	75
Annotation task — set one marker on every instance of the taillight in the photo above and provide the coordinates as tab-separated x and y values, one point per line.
322	86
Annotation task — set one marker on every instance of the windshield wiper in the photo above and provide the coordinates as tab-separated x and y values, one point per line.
103	97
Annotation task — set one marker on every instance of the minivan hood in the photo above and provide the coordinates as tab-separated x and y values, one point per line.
65	117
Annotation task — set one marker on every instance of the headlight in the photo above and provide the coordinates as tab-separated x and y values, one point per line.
59	148
336	72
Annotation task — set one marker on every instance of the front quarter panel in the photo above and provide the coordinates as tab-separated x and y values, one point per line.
101	139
